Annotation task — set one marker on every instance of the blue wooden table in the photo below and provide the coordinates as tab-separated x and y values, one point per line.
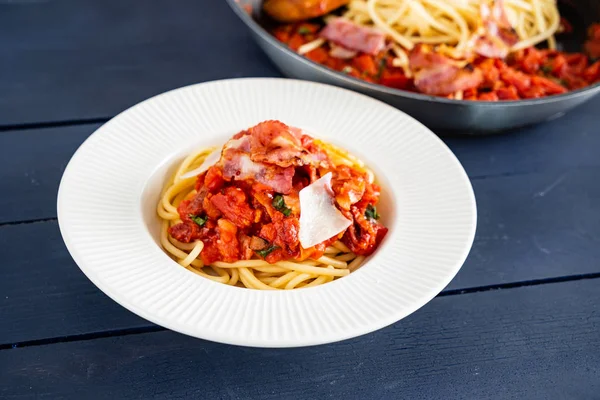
521	319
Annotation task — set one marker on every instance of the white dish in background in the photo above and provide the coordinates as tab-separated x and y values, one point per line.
108	194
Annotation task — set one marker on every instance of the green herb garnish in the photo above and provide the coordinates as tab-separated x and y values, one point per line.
266	251
347	69
561	82
303	30
198	219
546	69
279	204
371	212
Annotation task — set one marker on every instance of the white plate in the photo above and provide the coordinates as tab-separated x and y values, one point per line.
108	194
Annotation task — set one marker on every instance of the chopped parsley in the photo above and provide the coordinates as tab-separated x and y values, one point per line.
303	30
561	82
279	204
546	69
267	250
198	219
371	212
347	69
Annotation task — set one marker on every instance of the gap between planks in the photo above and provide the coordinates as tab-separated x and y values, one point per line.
53	124
156	328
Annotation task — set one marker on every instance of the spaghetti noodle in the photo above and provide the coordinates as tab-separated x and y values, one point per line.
454	23
212	238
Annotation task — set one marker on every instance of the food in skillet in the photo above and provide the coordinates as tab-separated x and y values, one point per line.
272	209
460	49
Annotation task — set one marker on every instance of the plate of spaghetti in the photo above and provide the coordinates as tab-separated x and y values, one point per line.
267	212
444	52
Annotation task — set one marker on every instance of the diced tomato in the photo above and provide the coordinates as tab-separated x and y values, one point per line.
282	35
549	86
517	79
592	73
234	206
318	55
533	92
395	80
508	93
574	82
491	74
491	96
592	48
577	63
594	32
296	41
470	94
531	61
365	63
559	65
214	179
210	252
228	243
282	232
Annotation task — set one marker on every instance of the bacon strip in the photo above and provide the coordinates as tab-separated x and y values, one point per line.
354	37
498	35
239	166
436	74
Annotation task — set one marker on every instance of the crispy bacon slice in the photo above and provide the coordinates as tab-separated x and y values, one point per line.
239	166
498	35
268	153
273	142
354	37
436	74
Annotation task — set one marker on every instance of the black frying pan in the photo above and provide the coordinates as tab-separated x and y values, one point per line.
473	117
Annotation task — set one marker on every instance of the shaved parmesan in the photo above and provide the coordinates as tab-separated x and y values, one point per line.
209	161
320	220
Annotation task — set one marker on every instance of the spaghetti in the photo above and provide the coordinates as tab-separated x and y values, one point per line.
454	23
234	227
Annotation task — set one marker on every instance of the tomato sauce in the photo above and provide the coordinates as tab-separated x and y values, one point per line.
525	74
239	216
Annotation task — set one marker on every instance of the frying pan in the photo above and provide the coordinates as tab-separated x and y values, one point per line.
457	116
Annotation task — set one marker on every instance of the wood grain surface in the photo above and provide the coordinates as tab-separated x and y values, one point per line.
527	343
520	320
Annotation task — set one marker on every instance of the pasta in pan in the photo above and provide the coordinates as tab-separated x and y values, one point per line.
459	49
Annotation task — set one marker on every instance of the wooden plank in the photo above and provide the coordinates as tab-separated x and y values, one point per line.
32	161
80	59
538	226
534	226
31	165
537	342
572	141
44	294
